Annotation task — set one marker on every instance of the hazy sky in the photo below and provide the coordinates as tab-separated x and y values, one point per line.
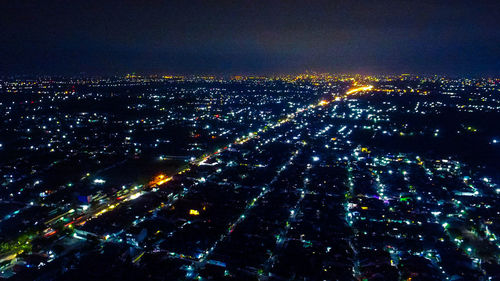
151	36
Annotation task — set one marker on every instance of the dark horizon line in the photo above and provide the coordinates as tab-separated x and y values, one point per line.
244	74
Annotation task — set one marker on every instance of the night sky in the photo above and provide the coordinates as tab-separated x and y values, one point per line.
244	37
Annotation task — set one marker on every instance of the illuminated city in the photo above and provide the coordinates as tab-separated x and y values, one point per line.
322	176
276	140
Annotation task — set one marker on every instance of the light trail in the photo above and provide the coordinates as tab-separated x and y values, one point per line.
358	89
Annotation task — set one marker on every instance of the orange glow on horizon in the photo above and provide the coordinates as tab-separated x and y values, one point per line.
359	89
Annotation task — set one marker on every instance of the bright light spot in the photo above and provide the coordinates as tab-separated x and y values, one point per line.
135	196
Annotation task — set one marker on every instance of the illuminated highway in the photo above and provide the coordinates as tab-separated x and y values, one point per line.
135	192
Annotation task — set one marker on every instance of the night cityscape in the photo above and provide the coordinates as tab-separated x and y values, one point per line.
319	177
239	140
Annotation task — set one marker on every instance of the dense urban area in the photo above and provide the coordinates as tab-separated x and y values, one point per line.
298	177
